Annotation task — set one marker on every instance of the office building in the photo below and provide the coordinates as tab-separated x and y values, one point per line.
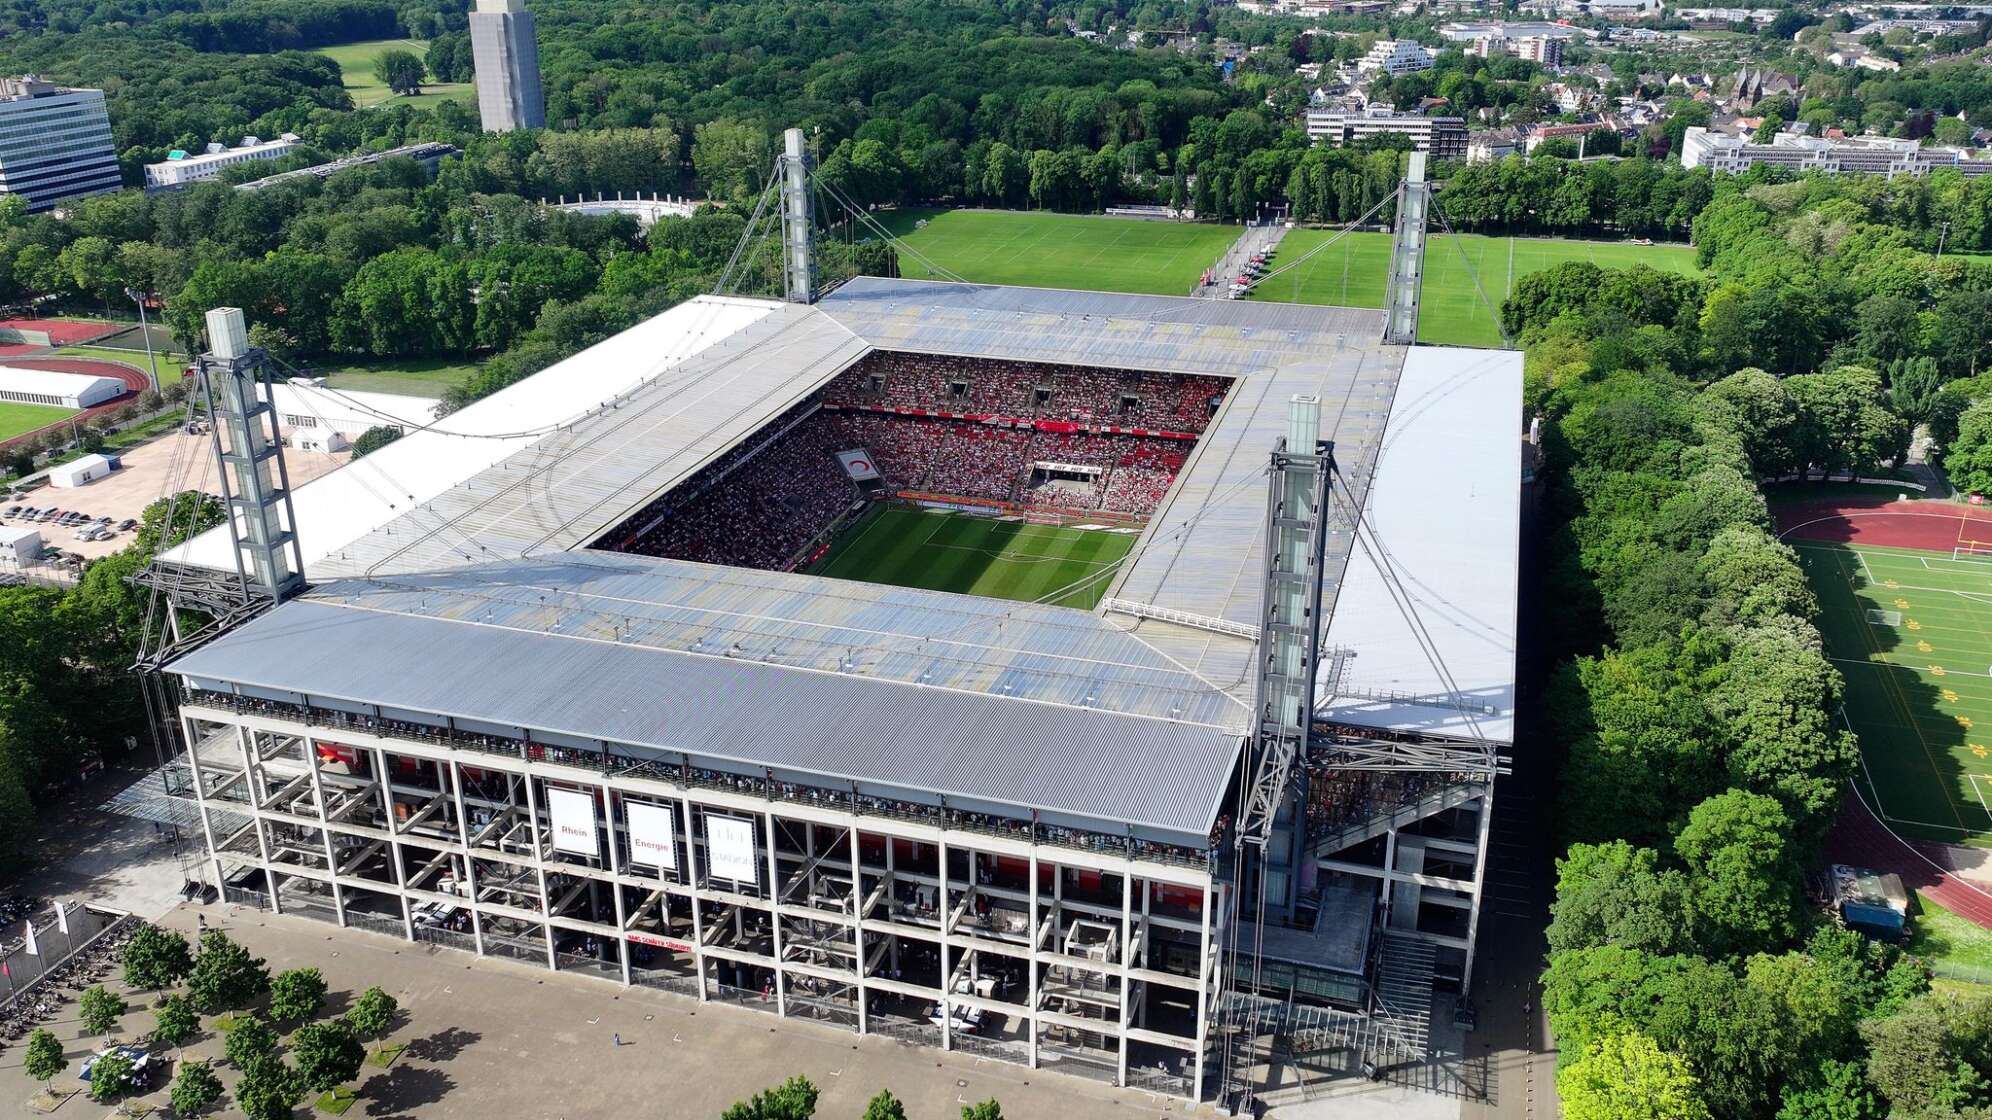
507	59
1395	57
55	143
1863	155
1440	137
180	169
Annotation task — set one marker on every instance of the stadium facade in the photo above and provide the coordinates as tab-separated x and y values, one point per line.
493	723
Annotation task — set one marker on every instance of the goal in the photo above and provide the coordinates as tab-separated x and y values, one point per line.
1884	618
1980	551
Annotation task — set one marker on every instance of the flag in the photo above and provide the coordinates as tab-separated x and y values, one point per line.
32	949
61	917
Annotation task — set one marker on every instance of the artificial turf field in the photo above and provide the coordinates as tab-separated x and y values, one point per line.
1353	272
1919	680
942	550
1043	250
1103	254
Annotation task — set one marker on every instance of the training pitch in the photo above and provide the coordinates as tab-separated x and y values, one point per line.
1911	630
1451	312
20	419
1040	250
941	550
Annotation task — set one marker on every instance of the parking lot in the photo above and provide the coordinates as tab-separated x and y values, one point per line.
184	460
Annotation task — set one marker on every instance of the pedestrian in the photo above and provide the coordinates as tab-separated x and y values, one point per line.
203	919
618	1039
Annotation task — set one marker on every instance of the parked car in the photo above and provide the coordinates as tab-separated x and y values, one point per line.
128	524
11	511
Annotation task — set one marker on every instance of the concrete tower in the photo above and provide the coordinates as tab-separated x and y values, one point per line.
507	58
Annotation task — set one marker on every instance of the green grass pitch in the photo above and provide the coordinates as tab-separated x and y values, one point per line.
966	554
356	61
1919	681
18	419
1061	250
1354	271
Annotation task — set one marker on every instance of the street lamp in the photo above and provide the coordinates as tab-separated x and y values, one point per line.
145	332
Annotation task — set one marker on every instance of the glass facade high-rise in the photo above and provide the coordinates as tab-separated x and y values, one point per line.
55	143
507	58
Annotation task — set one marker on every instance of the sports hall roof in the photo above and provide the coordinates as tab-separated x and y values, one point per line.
16	379
462	585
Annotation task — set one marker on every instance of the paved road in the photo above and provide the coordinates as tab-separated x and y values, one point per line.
1254	239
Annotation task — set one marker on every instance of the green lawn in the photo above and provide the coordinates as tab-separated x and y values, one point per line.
1353	272
1911	632
356	61
411	377
943	551
1953	945
172	366
18	419
1044	250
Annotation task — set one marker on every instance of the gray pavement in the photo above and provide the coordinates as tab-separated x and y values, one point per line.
1253	239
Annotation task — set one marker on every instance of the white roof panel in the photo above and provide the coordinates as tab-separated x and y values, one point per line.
1445	506
14	379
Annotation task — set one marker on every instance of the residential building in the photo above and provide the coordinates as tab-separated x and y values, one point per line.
1577	134
55	142
1918	26
179	169
1440	137
1491	144
1864	155
1469	31
1545	50
1623	9
1395	57
1877	63
1717	18
506	55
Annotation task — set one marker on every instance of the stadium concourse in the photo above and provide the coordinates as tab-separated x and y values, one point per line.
564	687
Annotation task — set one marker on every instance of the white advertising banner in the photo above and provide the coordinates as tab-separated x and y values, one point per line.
573	822
650	835
730	850
858	464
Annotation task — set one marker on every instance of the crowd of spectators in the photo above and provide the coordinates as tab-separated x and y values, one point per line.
1032	390
762	504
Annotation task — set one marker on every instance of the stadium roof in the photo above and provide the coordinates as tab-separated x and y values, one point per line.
1004	704
465	586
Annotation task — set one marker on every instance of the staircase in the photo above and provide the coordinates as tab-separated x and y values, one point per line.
1401	816
1402	998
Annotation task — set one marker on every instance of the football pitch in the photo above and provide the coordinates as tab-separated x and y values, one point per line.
1451	312
941	550
1912	633
1042	250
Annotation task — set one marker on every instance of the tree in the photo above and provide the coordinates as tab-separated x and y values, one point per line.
399	71
1934	1057
1969	460
43	1059
375	438
110	1077
1737	846
195	1089
372	1014
156	958
732	157
885	1106
983	1110
225	976
250	1041
1628	1077
177	1020
328	1054
100	1009
794	1099
296	994
1616	894
268	1090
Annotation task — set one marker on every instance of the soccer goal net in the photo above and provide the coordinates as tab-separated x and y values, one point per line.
1884	618
1980	551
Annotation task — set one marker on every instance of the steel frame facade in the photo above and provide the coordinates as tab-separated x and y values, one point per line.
1048	956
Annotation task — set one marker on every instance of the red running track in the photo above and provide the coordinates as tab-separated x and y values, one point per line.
64	332
134	379
1862	841
1934	526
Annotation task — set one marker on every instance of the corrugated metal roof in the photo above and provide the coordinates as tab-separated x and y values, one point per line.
1054	655
570	486
1094	764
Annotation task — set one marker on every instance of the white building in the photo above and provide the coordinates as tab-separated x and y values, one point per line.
19	546
307	412
1395	57
1440	137
55	143
1877	63
506	54
1864	155
81	472
52	387
179	168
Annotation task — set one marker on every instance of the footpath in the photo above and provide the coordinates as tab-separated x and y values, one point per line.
1256	238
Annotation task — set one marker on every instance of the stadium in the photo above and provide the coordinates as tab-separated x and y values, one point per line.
900	659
